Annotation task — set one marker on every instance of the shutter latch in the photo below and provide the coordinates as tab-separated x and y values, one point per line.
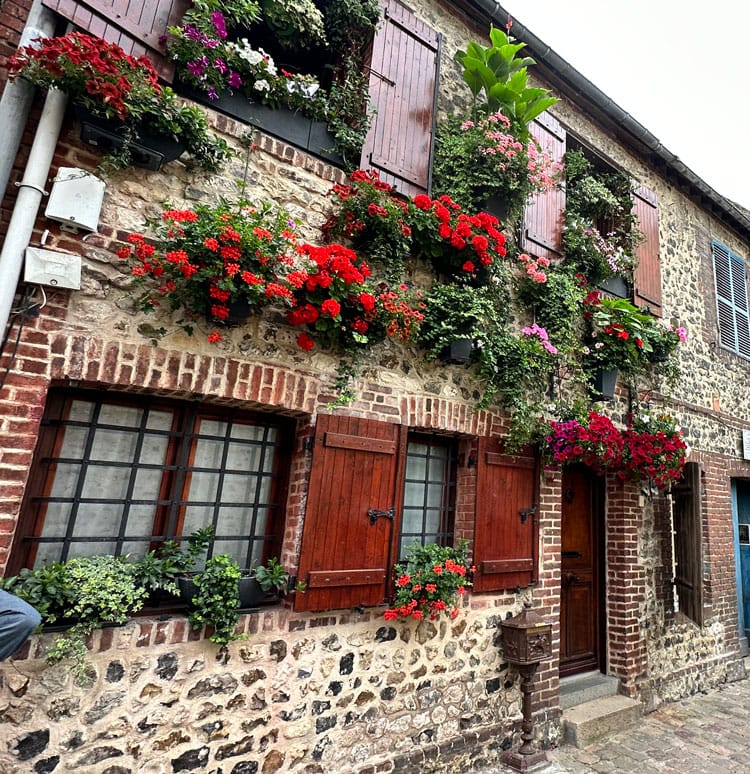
526	512
375	514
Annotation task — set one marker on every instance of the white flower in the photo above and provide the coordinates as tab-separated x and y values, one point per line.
262	85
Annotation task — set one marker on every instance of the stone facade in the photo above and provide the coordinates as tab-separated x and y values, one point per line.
345	691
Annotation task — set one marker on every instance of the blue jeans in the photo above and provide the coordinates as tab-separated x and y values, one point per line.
18	620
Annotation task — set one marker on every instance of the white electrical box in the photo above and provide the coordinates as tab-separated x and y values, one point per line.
76	199
746	444
48	267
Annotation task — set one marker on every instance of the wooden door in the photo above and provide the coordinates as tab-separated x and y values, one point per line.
580	614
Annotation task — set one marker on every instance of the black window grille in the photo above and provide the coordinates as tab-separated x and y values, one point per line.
429	493
120	475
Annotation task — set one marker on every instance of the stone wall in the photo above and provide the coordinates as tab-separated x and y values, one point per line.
344	691
338	692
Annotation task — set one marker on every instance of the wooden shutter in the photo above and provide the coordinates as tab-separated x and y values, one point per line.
730	277
688	542
345	557
647	277
134	25
403	84
506	525
544	216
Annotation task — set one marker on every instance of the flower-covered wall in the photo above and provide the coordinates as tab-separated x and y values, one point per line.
346	690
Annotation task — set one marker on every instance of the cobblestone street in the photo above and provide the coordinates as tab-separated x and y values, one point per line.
705	734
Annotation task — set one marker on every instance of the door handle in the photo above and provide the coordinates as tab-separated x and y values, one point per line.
571	578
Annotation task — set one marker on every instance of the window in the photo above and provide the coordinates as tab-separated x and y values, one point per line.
688	542
377	487
730	278
429	493
115	475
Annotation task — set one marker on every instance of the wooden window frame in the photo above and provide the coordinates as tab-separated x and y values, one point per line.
172	498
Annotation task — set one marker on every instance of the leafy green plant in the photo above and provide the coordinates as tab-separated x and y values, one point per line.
217	598
462	311
160	568
430	581
502	77
48	589
272	576
105	591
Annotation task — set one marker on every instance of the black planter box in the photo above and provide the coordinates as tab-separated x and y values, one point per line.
250	592
148	151
288	125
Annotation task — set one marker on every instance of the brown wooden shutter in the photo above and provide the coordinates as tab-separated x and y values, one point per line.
403	82
647	279
505	531
544	216
688	542
345	557
134	25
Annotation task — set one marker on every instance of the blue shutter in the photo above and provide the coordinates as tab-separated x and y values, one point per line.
730	276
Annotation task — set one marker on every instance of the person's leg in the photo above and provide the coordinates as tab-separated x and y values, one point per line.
18	620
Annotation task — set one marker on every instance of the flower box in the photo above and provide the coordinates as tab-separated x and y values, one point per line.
288	125
148	151
250	592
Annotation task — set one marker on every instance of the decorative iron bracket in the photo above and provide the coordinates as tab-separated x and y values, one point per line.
526	512
375	514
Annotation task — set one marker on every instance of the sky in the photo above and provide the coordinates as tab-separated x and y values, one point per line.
681	69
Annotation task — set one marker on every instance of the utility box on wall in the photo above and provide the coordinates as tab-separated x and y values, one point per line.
76	199
49	267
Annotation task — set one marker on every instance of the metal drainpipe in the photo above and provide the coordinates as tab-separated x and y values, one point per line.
17	97
31	190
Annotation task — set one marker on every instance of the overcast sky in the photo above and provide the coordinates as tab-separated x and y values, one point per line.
680	68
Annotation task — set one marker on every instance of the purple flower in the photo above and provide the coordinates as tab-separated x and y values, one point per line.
198	66
217	19
192	32
235	80
211	91
220	65
211	43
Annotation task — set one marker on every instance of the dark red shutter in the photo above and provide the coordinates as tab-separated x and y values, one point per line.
403	79
134	25
545	214
345	559
505	530
647	279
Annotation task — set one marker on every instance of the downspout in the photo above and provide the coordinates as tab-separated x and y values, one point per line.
17	97
15	105
31	190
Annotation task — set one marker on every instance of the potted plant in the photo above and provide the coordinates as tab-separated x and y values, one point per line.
122	91
369	217
462	248
456	314
87	592
219	262
489	160
216	593
430	581
341	309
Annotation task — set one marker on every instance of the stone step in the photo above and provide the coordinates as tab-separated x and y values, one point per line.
578	689
586	723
